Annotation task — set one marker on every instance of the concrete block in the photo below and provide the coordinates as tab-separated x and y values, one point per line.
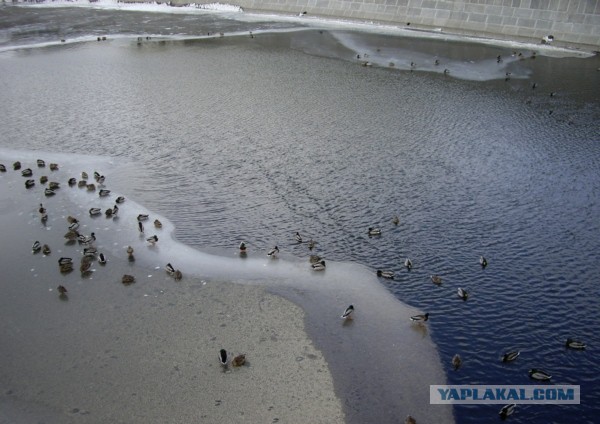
429	4
493	10
540	4
542	24
508	11
523	13
414	12
477	17
442	14
428	13
576	18
509	21
524	22
587	6
494	20
592	20
474	8
459	16
516	3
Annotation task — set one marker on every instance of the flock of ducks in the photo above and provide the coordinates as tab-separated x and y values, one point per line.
73	236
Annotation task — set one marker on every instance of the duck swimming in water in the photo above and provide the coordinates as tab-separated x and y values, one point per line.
130	254
72	182
27	172
540	375
157	224
223	357
152	240
408	264
483	261
507	410
120	199
102	259
103	192
242	248
575	344
510	356
128	279
29	183
17	165
46	250
36	247
396	220
142	217
95	211
462	293
62	291
273	252
53	167
456	362
374	231
385	274
169	268
141	227
238	360
41	163
436	279
49	192
298	237
319	266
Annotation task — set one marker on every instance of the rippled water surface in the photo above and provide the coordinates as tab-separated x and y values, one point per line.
255	138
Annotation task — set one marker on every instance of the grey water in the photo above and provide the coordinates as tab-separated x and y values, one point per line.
252	138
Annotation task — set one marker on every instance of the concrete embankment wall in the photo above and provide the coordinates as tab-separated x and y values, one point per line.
569	21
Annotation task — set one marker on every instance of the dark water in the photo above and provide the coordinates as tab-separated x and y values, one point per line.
256	138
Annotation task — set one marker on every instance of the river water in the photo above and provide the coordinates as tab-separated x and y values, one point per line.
276	127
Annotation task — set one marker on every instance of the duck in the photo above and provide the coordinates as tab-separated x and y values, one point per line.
238	360
157	224
82	183
29	183
42	209
44	217
462	293
66	267
223	357
102	259
103	192
313	259
72	235
456	362
54	185
90	252
507	410
242	248
128	279
319	266
436	279
74	225
62	291
84	175
49	192
17	165
142	217
53	167
152	240
177	275
420	317
72	181
374	231
36	247
408	264
141	227
115	210
540	375
169	268
41	163
2	167
273	252
64	260
410	420
348	312
120	199
396	220
547	39
43	179
96	175
87	239
46	250
130	254
71	219
385	274
298	237
510	356
27	172
108	212
483	261
311	244
95	211
85	265
574	344
90	187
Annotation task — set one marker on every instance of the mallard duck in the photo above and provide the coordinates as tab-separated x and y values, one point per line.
72	235
95	211
141	227
313	259
85	265
83	239
130	254
298	237
223	357
96	175
49	192
142	217
311	244
239	360
46	250
574	344
395	220
42	209
120	199
152	240
62	290
242	247
157	224
483	261
53	167
43	179
420	317
103	192
385	274
65	260
540	375
319	266
115	210
462	293
74	225
436	279
36	247
348	312
17	165
374	231
82	183
507	410
410	420
408	264
102	259
108	213
27	172
169	268
2	168
273	252
456	361
29	183
54	185
510	356
128	279
44	217
90	187
177	275
90	252
72	182
84	175
71	219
